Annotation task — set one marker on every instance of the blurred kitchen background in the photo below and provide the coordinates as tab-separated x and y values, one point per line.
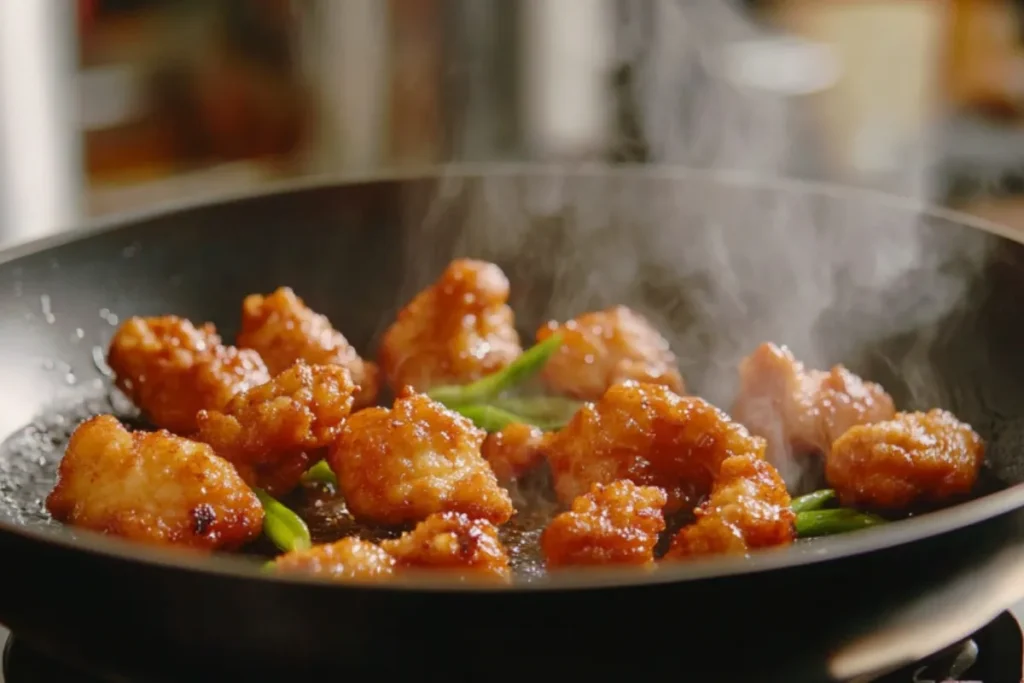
109	106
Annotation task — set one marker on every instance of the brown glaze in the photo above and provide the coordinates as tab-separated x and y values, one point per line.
650	435
152	487
172	369
915	458
617	523
749	508
607	347
405	463
284	330
514	451
270	432
457	330
454	543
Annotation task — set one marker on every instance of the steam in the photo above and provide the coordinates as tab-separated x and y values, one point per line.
720	257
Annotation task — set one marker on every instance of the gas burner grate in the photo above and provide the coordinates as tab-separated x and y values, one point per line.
995	654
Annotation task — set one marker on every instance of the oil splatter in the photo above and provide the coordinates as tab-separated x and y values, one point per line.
44	302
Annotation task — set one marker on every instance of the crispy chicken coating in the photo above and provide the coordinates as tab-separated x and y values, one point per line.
803	411
349	558
514	451
456	331
271	431
615	523
607	347
172	369
455	543
284	330
418	458
749	508
152	487
650	435
913	458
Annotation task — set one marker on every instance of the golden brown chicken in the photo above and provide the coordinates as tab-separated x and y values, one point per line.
405	463
749	509
650	435
458	330
284	330
152	487
514	451
349	558
914	458
454	543
607	347
172	369
802	411
615	523
271	432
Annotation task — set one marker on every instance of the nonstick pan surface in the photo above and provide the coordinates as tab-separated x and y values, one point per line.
925	302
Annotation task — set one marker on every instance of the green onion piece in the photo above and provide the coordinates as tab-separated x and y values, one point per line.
269	566
487	417
320	473
828	522
481	391
493	417
282	526
813	501
547	412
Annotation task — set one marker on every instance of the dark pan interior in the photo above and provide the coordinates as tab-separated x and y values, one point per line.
921	302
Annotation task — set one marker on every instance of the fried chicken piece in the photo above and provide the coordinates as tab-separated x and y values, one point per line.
455	543
418	458
607	347
152	487
914	458
514	451
803	411
172	369
284	330
749	508
456	331
650	435
270	432
349	558
615	523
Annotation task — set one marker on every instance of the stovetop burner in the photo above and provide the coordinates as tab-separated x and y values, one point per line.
994	654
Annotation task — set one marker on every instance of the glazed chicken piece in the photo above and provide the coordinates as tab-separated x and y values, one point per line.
454	543
172	369
749	508
405	463
283	330
650	435
514	451
456	331
803	411
349	558
607	347
152	487
271	432
615	523
914	458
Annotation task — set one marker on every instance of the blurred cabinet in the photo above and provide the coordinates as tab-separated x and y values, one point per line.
874	122
985	66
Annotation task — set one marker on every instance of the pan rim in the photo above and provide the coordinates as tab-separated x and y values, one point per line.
856	543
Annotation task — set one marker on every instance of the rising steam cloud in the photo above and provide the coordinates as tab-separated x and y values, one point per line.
723	256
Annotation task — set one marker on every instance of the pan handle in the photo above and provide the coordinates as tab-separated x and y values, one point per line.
934	621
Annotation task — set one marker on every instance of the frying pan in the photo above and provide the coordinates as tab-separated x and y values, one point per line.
927	302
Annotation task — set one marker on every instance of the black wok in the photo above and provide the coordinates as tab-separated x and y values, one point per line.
720	262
